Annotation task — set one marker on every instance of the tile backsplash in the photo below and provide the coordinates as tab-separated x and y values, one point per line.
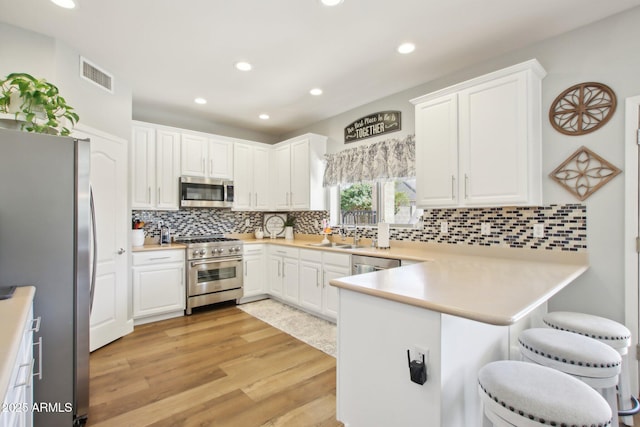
565	226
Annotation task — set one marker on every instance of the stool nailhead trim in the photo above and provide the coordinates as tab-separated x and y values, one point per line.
533	417
598	337
571	362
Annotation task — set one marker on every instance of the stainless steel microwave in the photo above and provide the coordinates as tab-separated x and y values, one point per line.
196	192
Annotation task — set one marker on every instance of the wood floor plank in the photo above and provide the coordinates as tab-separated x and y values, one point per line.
194	371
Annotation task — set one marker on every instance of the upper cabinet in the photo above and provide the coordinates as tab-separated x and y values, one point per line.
206	157
297	172
155	168
251	176
478	143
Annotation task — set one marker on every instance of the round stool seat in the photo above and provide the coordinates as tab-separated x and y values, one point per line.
526	394
570	353
600	328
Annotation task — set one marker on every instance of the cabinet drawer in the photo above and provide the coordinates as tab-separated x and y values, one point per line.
253	249
158	257
285	251
343	260
310	255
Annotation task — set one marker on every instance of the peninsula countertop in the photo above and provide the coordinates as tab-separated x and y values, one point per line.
13	317
498	291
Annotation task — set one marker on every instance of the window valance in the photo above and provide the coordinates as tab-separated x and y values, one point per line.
392	158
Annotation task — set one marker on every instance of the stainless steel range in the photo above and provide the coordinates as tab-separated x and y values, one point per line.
214	270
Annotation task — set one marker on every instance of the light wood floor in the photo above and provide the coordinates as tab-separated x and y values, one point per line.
219	367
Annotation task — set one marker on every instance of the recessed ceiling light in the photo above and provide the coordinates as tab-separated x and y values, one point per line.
316	91
67	4
406	48
264	116
200	101
243	66
331	2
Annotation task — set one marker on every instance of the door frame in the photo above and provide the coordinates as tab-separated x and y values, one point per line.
631	264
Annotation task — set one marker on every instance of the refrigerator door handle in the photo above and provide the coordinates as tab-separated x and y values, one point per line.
94	235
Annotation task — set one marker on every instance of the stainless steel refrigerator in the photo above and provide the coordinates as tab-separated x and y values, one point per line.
45	237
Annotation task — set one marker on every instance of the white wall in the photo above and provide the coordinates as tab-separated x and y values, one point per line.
44	57
603	52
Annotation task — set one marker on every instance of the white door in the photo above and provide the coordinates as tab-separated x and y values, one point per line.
194	155
261	186
220	159
282	177
243	176
167	169
300	175
109	319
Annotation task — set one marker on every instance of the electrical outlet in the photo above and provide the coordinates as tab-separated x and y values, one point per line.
418	352
485	228
247	222
444	227
538	230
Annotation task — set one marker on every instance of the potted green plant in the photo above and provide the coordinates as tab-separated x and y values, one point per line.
37	104
288	228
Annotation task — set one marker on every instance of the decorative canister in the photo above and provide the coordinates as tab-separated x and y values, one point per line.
137	237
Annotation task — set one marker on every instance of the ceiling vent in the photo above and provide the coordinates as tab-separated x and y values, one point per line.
95	75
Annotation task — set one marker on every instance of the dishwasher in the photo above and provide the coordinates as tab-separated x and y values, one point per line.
365	264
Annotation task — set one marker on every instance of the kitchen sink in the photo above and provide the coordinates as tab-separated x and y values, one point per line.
336	245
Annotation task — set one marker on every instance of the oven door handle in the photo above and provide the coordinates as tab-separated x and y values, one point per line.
215	260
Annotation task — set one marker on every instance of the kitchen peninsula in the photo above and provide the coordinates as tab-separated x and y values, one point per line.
461	311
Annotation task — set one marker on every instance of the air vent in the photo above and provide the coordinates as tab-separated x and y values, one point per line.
95	75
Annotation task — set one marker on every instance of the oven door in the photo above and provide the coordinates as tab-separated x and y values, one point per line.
214	275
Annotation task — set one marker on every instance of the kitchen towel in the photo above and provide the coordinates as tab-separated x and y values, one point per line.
383	235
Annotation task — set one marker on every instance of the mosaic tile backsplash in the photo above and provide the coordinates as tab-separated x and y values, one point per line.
565	226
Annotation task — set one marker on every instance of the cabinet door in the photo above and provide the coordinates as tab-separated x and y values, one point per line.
167	169
282	177
437	152
300	175
290	280
274	275
261	187
220	156
330	297
254	274
143	168
194	155
242	176
311	285
158	289
493	142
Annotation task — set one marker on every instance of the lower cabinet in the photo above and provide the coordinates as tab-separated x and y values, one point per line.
282	273
18	401
158	285
317	269
255	272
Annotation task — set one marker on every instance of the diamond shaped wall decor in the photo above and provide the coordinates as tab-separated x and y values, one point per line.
583	173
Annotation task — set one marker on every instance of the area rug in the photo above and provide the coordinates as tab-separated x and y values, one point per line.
312	330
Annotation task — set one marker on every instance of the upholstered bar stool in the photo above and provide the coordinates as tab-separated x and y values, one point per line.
609	332
594	363
522	394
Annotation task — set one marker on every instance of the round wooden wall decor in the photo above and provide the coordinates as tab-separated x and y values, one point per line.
582	108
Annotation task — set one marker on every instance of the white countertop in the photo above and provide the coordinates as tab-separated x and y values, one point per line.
13	316
498	291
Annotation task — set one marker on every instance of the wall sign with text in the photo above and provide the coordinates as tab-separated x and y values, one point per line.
373	125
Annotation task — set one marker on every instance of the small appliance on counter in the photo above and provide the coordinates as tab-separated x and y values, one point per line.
383	235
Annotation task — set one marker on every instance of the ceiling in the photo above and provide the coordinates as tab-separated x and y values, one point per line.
171	52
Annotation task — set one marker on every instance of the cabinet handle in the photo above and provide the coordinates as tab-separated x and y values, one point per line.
453	187
149	195
317	278
466	186
256	199
249	198
39	344
279	274
158	199
204	168
211	167
323	284
283	269
158	258
26	381
245	269
35	324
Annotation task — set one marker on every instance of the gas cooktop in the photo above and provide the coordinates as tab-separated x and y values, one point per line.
205	239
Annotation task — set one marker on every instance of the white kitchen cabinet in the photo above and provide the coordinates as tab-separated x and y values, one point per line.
207	157
158	285
283	273
317	269
478	143
155	167
18	399
255	272
297	173
251	176
311	280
